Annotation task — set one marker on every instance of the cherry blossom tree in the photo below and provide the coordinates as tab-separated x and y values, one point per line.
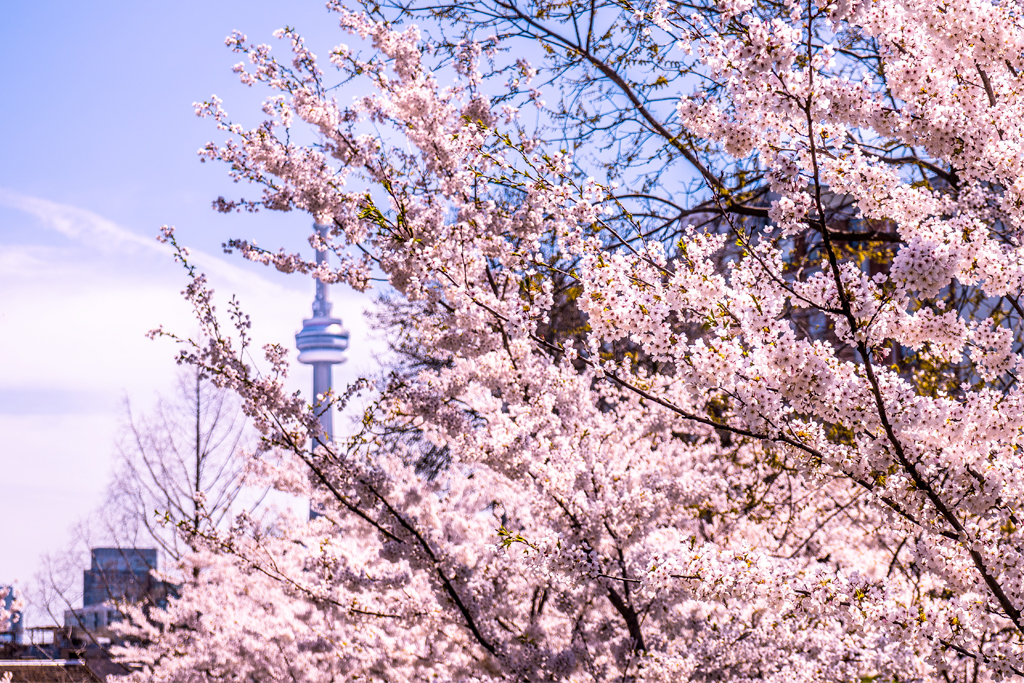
710	373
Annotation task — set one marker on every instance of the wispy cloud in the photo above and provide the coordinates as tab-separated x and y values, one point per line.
79	224
110	285
96	232
88	301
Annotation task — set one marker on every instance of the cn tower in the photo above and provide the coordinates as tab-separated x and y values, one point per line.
322	343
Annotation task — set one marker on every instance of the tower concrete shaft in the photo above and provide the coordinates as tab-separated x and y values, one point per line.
322	387
322	343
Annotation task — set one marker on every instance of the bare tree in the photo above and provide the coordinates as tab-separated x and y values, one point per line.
176	464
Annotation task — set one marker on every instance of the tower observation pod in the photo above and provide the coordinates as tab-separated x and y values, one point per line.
322	343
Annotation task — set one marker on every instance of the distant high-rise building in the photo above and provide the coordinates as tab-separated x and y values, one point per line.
120	574
116	575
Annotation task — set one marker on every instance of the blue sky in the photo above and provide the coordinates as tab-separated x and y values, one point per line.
97	151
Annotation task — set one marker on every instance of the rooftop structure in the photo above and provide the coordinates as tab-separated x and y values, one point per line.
78	651
48	671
